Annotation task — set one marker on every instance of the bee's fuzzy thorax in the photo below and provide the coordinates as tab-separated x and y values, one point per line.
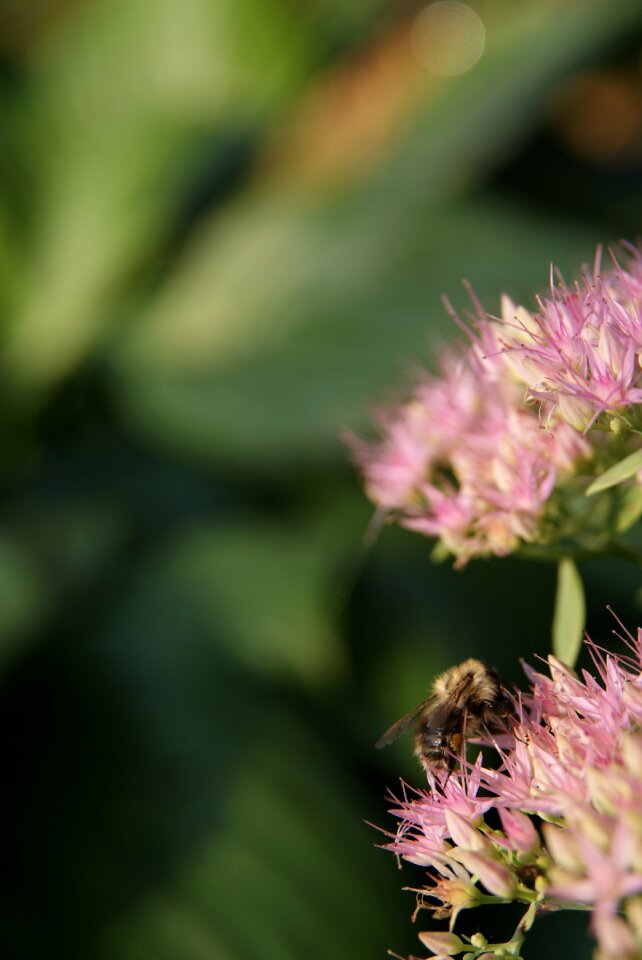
482	684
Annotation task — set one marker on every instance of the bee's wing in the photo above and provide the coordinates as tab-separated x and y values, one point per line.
401	726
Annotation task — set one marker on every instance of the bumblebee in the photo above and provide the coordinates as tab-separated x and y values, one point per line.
464	701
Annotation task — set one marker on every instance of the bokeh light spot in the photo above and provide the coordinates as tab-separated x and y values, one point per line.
448	37
598	116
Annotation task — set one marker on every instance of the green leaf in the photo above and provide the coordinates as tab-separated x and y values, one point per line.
23	597
268	366
219	800
280	816
618	473
629	507
261	591
534	44
107	196
289	292
570	613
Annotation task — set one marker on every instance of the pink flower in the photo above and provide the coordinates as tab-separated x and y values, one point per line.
574	756
578	353
463	460
616	939
475	455
605	877
519	830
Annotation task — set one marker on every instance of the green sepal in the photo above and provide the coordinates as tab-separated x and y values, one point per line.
617	474
570	613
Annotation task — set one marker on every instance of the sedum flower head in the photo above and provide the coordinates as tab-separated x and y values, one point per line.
555	822
578	354
465	461
493	451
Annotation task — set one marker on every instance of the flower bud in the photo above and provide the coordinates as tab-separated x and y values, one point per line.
541	884
519	830
562	847
464	834
455	895
479	940
608	792
462	894
446	944
495	876
587	821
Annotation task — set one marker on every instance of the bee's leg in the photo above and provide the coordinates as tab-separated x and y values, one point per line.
449	771
459	742
456	744
449	761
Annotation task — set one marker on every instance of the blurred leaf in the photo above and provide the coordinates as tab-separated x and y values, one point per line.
77	538
244	271
617	474
292	290
125	89
263	351
106	195
570	613
274	244
23	599
287	859
630	507
264	592
215	820
468	123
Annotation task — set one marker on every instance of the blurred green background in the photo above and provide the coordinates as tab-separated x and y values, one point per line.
225	226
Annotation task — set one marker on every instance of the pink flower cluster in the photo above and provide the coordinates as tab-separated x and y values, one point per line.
474	455
568	795
578	355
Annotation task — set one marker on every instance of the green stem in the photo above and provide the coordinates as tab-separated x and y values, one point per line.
512	947
614	548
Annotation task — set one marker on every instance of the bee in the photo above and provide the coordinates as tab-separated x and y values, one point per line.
464	701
